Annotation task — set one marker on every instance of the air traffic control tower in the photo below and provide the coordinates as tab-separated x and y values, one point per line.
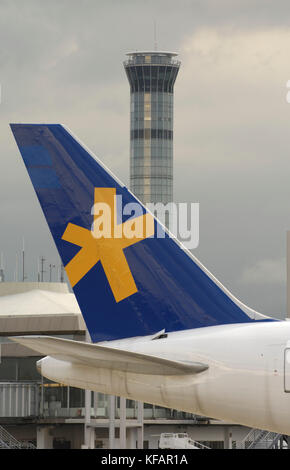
152	76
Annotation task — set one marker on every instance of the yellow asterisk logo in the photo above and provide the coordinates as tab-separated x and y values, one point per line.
109	250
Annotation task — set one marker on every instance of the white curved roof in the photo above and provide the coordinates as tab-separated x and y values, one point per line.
38	302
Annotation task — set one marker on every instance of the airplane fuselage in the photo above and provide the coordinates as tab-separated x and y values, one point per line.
247	381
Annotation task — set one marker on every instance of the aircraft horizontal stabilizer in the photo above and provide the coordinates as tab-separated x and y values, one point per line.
98	356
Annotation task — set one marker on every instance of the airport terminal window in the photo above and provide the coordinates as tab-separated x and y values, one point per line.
19	369
55	395
77	397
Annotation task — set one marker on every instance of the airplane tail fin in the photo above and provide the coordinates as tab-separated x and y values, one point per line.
126	286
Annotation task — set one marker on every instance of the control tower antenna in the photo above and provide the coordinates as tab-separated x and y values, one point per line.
61	273
2	276
16	268
23	261
155	37
42	271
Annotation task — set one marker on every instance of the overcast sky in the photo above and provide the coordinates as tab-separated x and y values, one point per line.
61	61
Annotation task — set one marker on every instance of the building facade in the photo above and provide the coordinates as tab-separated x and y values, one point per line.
151	77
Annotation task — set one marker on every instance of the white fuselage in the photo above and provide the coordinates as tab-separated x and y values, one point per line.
247	382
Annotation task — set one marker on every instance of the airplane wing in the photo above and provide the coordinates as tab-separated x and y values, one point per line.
109	358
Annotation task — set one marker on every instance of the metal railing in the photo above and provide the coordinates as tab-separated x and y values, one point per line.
155	61
260	439
7	441
198	444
